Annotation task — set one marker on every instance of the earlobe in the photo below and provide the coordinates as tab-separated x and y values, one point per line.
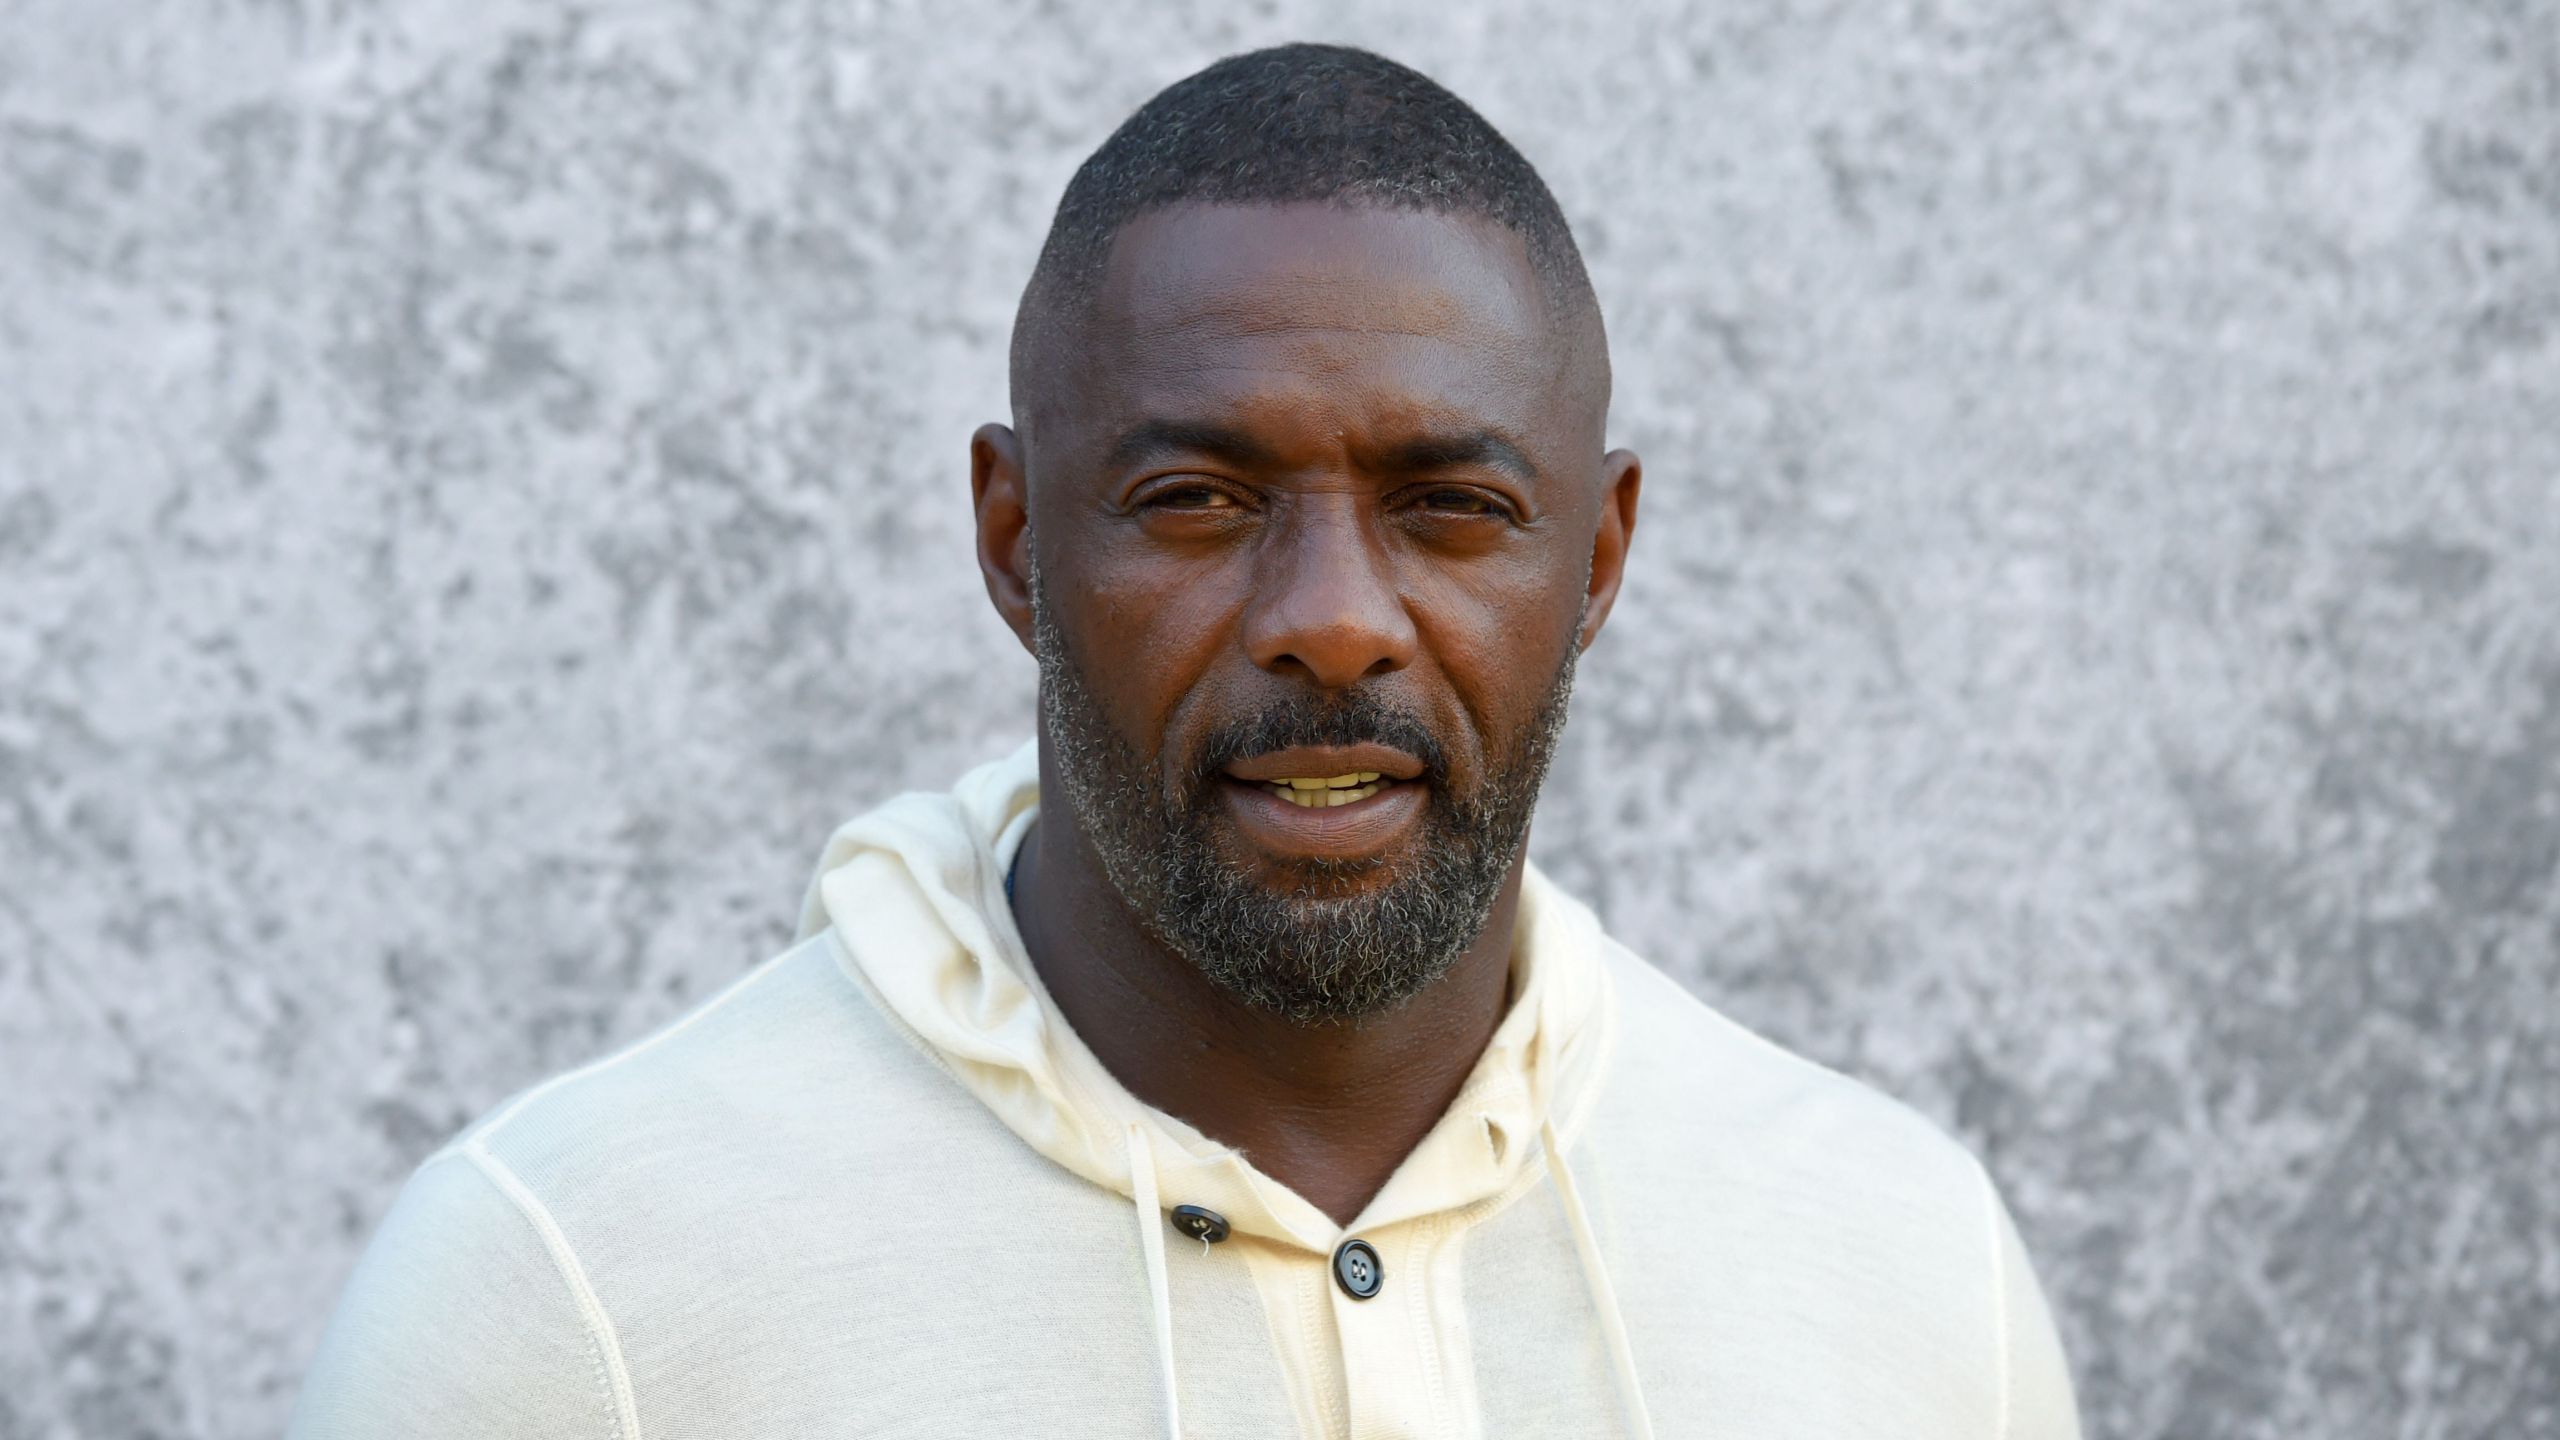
1000	494
1621	482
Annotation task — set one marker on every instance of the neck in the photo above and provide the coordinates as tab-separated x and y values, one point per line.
1329	1109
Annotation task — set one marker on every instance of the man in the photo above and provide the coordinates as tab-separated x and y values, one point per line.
1218	1066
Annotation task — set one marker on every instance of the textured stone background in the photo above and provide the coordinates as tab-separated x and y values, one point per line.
482	492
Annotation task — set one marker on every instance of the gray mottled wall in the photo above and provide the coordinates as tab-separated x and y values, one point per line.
482	492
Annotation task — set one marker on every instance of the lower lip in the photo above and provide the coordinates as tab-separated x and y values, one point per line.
1359	830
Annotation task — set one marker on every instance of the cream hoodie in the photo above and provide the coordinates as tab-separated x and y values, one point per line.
878	1187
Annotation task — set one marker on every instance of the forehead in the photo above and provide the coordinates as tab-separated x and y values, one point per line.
1335	316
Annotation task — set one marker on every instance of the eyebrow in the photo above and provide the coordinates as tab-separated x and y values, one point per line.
1458	450
1154	440
1157	440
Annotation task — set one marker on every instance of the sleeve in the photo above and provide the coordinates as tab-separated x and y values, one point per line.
2036	1401
466	1316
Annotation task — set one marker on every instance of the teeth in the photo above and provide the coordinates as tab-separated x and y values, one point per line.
1320	795
1328	782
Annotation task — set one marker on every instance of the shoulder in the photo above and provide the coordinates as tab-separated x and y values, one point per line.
756	1077
1687	1070
481	1302
1823	1226
464	1311
1809	1160
630	1216
1816	1205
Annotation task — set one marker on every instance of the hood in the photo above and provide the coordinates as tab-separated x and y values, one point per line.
915	894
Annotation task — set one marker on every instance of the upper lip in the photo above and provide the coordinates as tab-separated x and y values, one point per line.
1312	761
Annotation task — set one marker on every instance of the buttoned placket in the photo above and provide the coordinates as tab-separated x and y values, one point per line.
1394	1364
1388	1348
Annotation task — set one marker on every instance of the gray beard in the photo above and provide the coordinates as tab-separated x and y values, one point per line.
1323	952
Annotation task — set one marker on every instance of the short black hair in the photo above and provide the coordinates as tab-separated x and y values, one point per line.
1294	124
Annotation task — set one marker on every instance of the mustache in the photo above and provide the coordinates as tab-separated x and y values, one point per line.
1358	717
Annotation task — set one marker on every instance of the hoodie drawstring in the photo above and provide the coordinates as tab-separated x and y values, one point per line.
1142	1186
1604	1299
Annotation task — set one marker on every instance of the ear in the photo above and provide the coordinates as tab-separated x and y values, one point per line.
1000	494
1621	478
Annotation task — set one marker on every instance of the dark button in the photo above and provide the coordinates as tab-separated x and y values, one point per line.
1200	1223
1357	1271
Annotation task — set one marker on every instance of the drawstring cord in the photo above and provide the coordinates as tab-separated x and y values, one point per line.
1142	1186
1604	1299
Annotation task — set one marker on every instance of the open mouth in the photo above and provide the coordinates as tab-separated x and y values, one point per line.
1338	802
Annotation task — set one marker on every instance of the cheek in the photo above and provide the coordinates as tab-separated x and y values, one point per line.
1498	634
1152	634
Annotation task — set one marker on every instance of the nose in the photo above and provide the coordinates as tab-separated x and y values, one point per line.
1325	608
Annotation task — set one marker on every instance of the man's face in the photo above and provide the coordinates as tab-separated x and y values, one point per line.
1319	502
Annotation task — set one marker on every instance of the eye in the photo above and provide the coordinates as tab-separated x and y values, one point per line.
1458	500
1189	495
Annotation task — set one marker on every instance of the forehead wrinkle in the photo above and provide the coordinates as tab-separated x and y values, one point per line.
1207	329
1451	408
1187	276
1469	385
1331	306
1411	418
1249	330
1379	359
1447	303
1433	295
1286	377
